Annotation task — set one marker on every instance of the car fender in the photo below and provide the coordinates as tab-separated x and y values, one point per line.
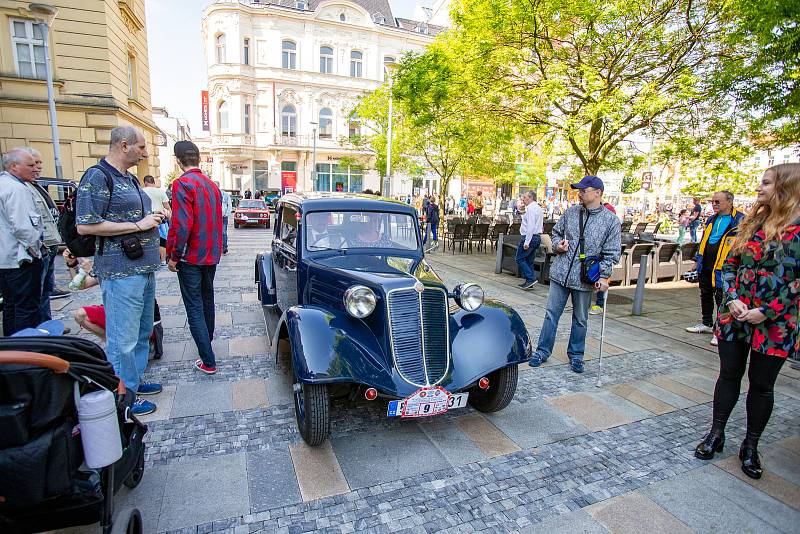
330	347
487	339
265	279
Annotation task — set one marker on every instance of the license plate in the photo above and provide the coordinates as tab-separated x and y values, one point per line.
426	406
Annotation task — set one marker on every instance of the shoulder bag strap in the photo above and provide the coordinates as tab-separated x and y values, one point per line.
110	187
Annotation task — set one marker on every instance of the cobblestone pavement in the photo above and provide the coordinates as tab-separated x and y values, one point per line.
224	454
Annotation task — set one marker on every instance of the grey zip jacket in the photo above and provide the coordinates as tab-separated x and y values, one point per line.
601	238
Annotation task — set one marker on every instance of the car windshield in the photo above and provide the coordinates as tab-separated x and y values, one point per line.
253	204
340	230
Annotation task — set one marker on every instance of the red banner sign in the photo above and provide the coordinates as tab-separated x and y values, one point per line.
204	100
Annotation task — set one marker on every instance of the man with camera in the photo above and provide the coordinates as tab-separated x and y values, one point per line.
586	240
112	206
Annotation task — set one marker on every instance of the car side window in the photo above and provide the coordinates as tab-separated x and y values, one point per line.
288	226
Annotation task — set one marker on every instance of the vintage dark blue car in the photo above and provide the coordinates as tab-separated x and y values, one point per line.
347	287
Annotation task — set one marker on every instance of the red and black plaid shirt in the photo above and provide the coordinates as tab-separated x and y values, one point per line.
195	232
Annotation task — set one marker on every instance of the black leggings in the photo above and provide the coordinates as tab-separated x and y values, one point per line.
760	396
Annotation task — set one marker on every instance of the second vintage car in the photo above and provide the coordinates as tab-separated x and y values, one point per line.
345	287
251	212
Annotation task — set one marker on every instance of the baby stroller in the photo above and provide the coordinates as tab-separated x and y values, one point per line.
44	481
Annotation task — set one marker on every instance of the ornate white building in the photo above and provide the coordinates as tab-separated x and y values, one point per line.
283	73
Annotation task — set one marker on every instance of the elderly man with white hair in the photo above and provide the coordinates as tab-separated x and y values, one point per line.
112	206
21	247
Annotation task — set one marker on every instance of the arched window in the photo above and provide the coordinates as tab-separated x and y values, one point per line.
326	59
220	46
325	124
356	64
288	55
388	61
288	121
222	116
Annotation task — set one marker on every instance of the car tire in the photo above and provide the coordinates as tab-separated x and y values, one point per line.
312	410
502	386
235	224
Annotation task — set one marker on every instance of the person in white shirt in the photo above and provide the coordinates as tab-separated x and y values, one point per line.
227	208
531	227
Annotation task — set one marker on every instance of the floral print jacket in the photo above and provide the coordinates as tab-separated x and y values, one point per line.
764	276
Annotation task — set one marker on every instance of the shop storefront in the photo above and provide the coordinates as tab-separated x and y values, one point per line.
336	177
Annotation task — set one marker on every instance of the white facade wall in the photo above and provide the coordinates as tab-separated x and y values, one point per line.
253	160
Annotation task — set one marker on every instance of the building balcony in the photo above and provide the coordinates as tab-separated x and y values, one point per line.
233	140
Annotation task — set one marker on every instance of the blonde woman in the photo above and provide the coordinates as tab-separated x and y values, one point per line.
759	312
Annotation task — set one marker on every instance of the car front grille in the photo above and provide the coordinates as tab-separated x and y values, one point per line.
419	335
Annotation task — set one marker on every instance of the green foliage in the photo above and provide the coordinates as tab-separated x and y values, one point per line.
631	184
169	178
764	73
590	72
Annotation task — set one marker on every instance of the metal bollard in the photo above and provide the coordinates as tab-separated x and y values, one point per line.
638	297
498	262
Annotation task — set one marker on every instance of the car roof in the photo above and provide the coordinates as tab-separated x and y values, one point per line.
320	201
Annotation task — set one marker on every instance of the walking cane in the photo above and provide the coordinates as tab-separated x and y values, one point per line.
602	335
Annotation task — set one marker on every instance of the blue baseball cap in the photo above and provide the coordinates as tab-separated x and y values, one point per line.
589	181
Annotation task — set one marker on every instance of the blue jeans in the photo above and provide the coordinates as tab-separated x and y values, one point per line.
556	300
129	304
525	257
693	230
224	234
601	298
431	227
197	290
22	290
48	282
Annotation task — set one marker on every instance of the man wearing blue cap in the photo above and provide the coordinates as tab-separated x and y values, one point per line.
600	230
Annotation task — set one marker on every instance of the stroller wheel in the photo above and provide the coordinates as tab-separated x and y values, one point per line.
138	471
132	526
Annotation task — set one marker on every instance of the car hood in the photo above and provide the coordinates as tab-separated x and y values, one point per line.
389	272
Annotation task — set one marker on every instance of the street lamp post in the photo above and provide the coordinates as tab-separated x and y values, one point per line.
314	158
387	191
45	14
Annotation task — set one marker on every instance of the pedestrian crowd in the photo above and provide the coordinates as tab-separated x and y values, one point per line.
121	235
748	266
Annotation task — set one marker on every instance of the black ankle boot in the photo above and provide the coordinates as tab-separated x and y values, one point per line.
713	442
748	454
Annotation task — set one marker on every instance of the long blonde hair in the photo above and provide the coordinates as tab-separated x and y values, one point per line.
777	212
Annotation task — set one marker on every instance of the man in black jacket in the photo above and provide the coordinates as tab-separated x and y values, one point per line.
432	219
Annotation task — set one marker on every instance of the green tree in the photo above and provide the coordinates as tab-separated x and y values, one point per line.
630	184
590	72
169	178
764	69
452	137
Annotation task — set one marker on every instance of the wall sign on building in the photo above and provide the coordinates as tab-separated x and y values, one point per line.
204	111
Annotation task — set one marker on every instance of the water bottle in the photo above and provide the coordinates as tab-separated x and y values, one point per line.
97	415
77	282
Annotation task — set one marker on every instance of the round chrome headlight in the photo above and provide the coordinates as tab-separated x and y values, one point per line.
468	296
359	301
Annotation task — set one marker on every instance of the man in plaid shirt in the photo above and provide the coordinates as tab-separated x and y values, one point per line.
194	247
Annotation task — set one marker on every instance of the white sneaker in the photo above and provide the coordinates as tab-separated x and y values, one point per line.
700	329
714	341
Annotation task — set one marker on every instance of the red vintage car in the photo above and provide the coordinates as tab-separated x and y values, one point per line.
251	213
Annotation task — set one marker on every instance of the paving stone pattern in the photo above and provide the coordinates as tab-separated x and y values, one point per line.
224	455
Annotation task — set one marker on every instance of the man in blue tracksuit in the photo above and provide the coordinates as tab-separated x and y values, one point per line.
718	235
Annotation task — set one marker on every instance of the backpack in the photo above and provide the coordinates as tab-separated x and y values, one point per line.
81	246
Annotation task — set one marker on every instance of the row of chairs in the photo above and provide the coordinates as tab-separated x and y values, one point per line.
667	261
466	235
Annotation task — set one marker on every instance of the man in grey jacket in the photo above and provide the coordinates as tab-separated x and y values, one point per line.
601	238
21	245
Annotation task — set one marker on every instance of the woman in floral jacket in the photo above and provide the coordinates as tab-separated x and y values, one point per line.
759	312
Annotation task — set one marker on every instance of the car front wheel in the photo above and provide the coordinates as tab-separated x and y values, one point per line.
235	224
502	386
312	409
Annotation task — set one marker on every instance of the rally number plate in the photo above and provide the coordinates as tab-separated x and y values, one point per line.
425	406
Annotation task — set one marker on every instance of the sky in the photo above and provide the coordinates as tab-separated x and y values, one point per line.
177	68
